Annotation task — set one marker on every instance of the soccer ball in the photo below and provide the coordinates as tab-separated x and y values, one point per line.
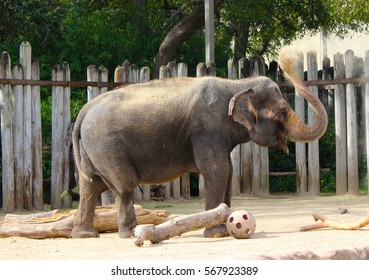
241	224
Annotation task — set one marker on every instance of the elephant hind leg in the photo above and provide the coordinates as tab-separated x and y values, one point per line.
121	180
123	184
89	194
126	214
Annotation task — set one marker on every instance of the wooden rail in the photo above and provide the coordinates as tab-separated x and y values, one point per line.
81	84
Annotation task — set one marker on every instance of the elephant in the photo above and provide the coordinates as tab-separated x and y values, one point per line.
156	131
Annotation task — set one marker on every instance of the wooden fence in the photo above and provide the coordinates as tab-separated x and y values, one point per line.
341	85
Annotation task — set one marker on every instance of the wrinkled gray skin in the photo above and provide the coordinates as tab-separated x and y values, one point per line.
154	132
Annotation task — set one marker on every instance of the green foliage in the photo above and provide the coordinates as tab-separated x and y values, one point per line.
327	159
328	182
282	184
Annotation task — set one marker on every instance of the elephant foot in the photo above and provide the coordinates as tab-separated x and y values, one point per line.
125	233
216	231
80	233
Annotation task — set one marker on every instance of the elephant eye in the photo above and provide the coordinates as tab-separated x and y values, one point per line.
282	114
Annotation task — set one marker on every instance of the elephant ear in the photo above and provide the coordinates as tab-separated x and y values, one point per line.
241	110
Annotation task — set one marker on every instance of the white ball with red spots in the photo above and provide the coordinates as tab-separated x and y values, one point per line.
241	224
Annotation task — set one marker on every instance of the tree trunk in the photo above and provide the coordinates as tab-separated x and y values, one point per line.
241	40
179	34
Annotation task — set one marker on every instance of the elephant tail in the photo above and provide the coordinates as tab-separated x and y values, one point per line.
75	139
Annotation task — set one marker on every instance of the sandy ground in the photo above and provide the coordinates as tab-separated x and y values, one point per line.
277	235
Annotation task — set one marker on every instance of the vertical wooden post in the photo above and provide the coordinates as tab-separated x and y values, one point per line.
246	154
173	69
103	77
118	73
209	31
340	126
67	197
232	69
174	185
201	71
25	54
185	188
37	182
92	76
18	137
366	91
366	73
264	152
126	65
134	74
327	94
256	172
361	117
351	110
7	119
164	73
102	73
182	69
145	195
301	174
236	152
313	147
144	74
57	146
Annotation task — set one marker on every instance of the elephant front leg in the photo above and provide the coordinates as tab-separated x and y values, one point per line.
217	194
217	174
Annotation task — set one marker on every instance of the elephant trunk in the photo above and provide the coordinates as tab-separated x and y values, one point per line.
298	131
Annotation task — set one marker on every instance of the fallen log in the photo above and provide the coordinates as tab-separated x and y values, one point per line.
326	223
56	224
180	225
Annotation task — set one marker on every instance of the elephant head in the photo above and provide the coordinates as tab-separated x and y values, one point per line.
268	117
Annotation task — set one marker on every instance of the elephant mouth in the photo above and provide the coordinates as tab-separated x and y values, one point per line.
282	143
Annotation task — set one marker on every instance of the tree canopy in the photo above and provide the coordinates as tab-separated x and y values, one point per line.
154	32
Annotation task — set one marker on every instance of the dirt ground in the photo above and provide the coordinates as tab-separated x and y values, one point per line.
277	235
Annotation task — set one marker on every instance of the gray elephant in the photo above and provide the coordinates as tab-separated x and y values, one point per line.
156	131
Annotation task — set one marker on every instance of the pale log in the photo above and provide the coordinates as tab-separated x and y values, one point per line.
180	225
56	224
29	217
326	223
